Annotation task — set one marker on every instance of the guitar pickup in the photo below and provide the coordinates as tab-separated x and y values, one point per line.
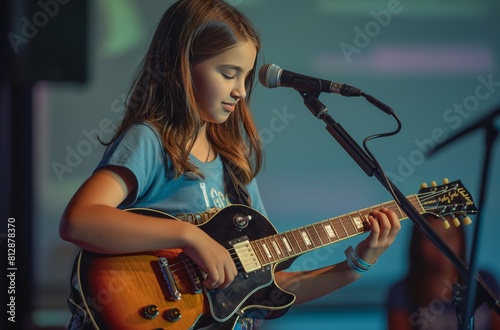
246	254
169	279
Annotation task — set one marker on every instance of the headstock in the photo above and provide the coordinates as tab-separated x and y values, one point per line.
450	198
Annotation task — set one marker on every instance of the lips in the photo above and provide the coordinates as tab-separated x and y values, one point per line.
228	106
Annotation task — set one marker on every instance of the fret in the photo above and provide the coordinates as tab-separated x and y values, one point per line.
305	238
276	248
357	223
258	252
278	239
340	229
266	251
322	235
330	232
288	248
417	204
348	225
364	219
332	225
263	252
402	215
300	241
316	237
313	236
268	248
395	207
388	207
308	236
276	252
297	239
286	245
293	242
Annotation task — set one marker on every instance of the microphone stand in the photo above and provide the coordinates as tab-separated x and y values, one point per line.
492	132
320	111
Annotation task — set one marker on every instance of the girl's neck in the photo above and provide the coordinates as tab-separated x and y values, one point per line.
202	133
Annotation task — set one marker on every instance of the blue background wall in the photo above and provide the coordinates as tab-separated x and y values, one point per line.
425	59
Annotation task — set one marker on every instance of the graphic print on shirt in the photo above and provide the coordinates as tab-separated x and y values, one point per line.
219	200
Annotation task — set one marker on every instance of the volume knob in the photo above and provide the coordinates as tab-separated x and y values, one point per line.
173	315
150	312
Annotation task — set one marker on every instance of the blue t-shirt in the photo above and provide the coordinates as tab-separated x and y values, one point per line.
140	150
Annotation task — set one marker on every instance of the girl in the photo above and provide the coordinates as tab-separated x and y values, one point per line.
170	150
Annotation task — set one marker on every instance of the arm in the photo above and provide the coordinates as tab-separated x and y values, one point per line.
92	221
309	285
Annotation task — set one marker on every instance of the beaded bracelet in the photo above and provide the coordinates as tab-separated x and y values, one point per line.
355	262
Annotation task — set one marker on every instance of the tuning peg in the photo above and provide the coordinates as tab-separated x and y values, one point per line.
423	185
433	184
446	181
446	224
467	221
456	222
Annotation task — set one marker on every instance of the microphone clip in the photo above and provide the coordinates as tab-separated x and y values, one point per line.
317	108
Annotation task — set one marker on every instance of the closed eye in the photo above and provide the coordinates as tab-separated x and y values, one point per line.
227	76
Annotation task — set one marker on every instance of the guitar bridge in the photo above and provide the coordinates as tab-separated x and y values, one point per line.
246	254
169	279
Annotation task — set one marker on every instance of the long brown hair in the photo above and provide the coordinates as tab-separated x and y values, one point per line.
163	92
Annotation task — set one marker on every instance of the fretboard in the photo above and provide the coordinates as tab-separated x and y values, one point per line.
295	242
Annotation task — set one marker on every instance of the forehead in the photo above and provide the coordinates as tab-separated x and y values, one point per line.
242	56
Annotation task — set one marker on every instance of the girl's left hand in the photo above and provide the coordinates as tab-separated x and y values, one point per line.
384	229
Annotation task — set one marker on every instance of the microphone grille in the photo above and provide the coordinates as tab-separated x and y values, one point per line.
270	75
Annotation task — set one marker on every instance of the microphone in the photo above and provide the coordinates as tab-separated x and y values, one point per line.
272	76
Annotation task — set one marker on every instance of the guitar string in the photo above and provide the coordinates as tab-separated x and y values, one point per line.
182	262
239	264
181	265
320	237
191	266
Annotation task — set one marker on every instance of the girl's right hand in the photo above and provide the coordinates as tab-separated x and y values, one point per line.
212	258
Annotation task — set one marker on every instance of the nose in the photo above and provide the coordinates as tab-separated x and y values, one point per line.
239	91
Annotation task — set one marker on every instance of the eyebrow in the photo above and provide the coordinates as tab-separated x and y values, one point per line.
237	68
232	67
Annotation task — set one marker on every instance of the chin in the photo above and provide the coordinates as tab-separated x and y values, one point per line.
220	120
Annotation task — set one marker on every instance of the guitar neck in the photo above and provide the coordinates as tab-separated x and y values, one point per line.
295	242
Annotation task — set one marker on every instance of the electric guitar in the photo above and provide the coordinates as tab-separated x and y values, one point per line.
163	290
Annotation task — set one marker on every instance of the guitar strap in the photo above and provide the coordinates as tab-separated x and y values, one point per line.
235	188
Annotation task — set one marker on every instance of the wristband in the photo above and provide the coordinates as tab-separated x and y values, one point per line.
355	262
